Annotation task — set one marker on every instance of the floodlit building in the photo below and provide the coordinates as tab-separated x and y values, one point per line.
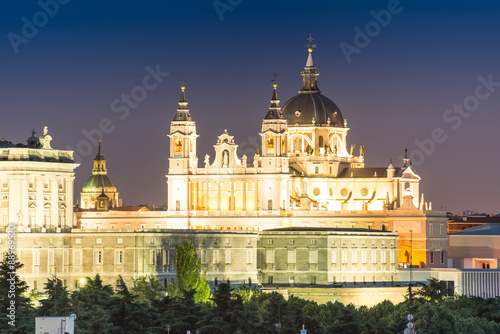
304	211
305	175
36	185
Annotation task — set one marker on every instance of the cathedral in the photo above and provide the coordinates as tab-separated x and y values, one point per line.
305	175
303	211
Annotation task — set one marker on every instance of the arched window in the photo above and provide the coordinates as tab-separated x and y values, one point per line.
178	145
270	144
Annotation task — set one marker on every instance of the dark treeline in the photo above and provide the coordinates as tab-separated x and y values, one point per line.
144	308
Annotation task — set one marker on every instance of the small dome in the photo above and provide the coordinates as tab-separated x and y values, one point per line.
302	108
99	182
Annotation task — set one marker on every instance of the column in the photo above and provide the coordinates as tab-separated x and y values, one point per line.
232	196
244	196
218	195
207	195
256	197
261	194
195	195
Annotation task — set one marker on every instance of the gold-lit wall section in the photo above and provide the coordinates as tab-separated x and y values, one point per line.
230	195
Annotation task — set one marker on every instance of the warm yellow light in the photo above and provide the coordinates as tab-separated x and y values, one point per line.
310	50
183	87
82	281
275	85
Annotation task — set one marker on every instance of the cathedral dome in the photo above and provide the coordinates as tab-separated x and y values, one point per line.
96	183
306	109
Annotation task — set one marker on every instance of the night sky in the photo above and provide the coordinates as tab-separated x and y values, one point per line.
411	80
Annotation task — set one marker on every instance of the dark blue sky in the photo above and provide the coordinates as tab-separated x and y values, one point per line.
395	90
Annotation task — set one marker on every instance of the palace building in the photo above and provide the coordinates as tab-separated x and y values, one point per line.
303	211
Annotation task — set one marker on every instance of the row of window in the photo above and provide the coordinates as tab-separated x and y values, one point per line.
432	257
77	257
216	259
356	255
441	229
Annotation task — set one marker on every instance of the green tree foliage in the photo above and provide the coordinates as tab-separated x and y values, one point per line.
434	292
144	309
146	289
57	301
18	315
188	271
128	314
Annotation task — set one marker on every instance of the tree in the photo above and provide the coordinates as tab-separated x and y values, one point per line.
92	303
435	292
57	301
188	272
16	306
146	289
129	316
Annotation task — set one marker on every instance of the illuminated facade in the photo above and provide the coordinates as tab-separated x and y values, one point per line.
305	175
36	184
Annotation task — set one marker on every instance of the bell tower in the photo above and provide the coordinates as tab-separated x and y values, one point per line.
183	136
274	134
182	161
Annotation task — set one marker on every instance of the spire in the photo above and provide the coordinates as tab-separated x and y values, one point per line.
274	110
310	75
99	162
99	155
183	112
406	161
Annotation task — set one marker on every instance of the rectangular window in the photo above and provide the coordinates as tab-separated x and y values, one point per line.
291	242
269	204
166	257
177	205
363	256
354	256
442	257
77	257
249	256
36	257
313	280
313	256
227	254
441	229
119	240
65	257
270	256
98	257
50	259
78	241
432	257
383	254
291	256
316	169
216	256
270	241
203	256
430	228
270	280
344	256
152	258
119	257
98	241
334	256
374	256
